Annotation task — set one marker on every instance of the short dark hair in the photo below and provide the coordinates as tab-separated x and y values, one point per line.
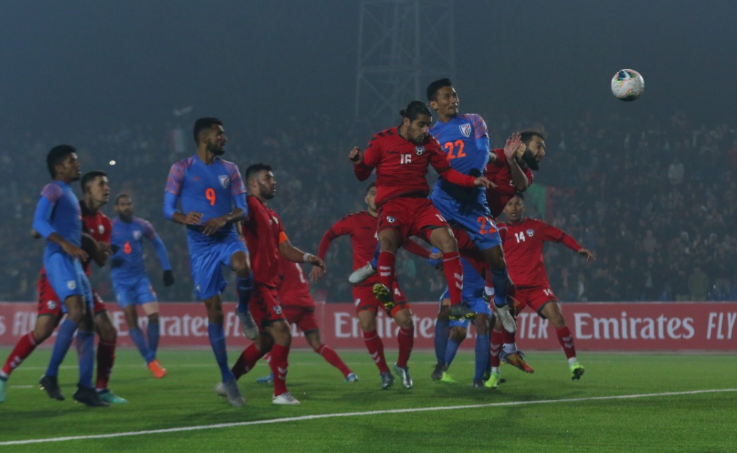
432	89
527	134
122	195
56	156
90	176
520	195
371	185
253	170
414	109
204	123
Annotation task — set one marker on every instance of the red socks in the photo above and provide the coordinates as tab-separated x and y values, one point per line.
22	349
453	275
376	348
406	340
333	358
105	361
566	341
279	366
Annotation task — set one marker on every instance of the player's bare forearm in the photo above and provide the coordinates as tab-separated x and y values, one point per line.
95	249
214	224
292	253
192	218
519	178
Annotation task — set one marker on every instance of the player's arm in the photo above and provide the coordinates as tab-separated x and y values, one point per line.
336	230
440	163
161	253
94	249
171	197
416	249
295	255
360	168
513	147
553	234
42	225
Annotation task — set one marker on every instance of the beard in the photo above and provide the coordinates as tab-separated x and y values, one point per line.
529	159
217	151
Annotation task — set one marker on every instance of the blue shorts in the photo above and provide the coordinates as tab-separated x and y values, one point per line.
474	218
134	292
207	273
67	278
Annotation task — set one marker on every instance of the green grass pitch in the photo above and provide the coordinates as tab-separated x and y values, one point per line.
542	412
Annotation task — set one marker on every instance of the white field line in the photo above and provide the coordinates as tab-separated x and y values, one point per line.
356	414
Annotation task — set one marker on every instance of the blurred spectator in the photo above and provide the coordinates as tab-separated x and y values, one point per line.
698	285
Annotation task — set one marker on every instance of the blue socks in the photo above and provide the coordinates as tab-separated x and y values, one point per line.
245	286
442	328
501	283
140	342
375	259
152	331
451	350
483	349
217	341
86	352
64	338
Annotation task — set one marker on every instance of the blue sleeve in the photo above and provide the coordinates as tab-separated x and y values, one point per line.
482	144
170	204
41	218
240	202
161	252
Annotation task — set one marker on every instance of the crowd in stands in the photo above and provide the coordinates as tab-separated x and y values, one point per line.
654	200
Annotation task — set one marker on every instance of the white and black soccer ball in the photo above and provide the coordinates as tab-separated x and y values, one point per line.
627	85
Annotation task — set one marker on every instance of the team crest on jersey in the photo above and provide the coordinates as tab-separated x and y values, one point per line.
101	229
530	232
51	305
419	150
224	181
390	219
136	235
465	129
277	310
71	285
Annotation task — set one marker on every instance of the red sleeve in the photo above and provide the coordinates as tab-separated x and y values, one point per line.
502	229
530	177
553	234
362	171
338	229
415	248
371	158
440	163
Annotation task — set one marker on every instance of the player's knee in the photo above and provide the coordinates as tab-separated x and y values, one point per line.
153	318
481	324
458	334
447	243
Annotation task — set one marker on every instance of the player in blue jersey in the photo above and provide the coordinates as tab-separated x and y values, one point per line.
132	287
447	347
465	141
213	198
58	219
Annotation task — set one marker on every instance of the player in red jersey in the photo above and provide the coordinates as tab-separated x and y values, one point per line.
96	230
401	156
511	172
266	240
298	308
523	240
361	227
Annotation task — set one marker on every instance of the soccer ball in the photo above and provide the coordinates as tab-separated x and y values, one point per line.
627	85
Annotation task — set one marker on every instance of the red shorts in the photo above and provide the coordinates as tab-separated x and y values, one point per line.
364	299
49	303
302	317
265	309
535	297
411	217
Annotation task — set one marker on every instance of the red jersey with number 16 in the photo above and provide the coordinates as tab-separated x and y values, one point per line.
401	166
523	250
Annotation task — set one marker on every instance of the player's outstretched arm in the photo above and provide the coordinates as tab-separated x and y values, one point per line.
588	254
511	148
292	253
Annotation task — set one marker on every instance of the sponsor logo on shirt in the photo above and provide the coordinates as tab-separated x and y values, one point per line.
224	181
465	129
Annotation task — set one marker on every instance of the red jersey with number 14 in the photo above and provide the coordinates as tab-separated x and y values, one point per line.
523	250
401	166
361	227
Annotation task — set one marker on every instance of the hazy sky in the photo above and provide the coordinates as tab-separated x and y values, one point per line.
65	62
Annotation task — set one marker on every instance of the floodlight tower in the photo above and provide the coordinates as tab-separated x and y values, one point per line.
402	46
